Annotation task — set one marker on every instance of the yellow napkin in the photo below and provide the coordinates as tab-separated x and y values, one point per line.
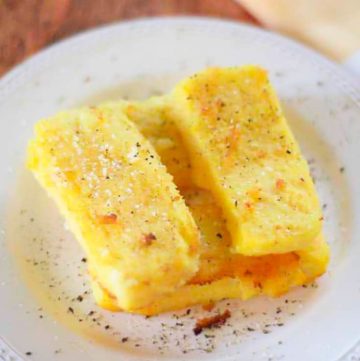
330	26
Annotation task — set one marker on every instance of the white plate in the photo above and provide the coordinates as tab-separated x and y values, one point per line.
40	265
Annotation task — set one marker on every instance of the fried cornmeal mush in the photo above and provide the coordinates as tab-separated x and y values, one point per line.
242	150
141	240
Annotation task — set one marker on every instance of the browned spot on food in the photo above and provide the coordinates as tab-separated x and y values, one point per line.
248	273
209	306
261	154
254	193
108	218
149	239
248	205
210	322
280	184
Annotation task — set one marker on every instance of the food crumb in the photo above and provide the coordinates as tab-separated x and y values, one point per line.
209	322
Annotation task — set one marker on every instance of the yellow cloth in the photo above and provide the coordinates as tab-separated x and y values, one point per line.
330	26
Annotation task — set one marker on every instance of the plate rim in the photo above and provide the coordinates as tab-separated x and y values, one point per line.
348	84
40	58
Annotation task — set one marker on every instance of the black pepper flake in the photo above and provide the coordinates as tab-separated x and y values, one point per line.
71	310
342	169
219	235
288	151
107	327
125	339
28	353
91	313
209	336
83	260
79	298
250	329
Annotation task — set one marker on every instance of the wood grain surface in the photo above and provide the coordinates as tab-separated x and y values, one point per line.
29	25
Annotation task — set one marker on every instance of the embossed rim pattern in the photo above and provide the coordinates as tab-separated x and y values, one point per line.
340	77
7	353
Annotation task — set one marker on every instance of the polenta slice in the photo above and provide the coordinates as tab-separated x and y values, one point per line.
153	119
119	201
242	149
223	274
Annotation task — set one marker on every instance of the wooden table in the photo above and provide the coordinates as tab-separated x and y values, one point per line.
29	25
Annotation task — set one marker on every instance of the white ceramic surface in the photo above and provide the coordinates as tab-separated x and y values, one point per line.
41	272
